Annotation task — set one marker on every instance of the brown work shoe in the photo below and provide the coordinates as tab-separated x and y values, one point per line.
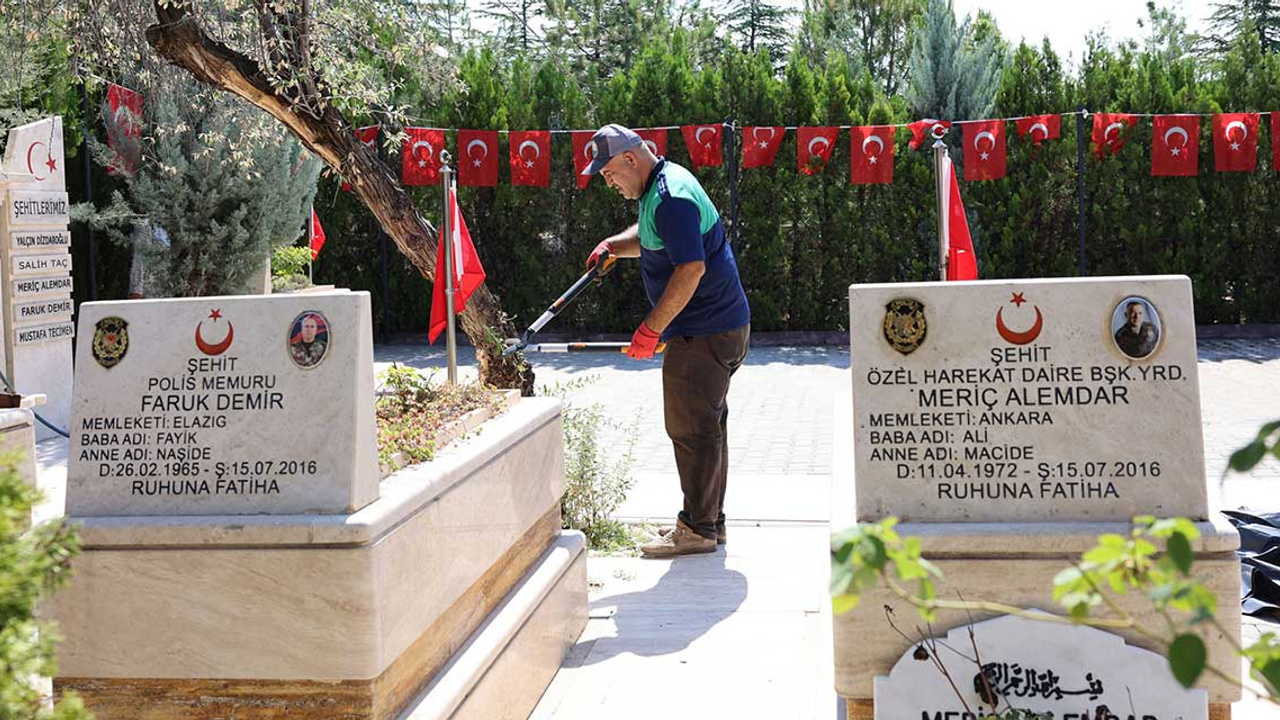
722	536
678	541
721	533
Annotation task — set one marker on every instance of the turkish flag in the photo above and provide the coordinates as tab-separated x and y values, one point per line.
1109	131
760	145
315	234
655	139
530	153
1040	128
584	151
813	148
871	155
1175	145
1235	142
420	156
468	273
962	264
1275	141
478	161
124	127
705	147
927	127
369	136
984	150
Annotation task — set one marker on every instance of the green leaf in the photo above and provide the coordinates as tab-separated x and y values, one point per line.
842	604
1246	457
1180	551
873	553
1187	656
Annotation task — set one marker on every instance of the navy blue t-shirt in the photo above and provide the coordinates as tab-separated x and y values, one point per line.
678	224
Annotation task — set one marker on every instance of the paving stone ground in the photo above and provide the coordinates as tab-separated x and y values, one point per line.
745	632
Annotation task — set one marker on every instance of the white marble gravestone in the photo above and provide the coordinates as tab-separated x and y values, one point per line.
1068	670
1015	400
222	406
35	268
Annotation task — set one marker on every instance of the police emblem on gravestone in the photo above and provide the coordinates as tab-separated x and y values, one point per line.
110	341
308	339
1135	327
904	324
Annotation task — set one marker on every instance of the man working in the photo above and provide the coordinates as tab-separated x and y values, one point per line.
699	308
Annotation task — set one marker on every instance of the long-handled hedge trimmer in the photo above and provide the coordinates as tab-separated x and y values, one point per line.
595	274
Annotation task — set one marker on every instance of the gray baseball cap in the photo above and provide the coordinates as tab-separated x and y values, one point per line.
609	141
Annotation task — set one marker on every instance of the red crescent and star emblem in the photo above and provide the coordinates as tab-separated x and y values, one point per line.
215	348
48	162
1026	336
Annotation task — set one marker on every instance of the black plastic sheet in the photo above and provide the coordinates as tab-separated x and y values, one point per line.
1259	562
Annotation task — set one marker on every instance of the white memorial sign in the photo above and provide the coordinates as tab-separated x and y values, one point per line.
41	286
43	309
40	240
35	262
35	208
45	264
1026	400
1072	671
29	335
224	405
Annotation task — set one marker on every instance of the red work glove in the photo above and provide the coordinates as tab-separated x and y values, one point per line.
643	343
599	252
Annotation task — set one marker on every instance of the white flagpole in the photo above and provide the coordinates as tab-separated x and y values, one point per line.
942	163
451	340
311	243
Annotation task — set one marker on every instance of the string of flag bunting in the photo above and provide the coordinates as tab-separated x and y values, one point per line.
1174	148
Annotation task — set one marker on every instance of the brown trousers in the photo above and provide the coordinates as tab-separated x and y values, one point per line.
695	385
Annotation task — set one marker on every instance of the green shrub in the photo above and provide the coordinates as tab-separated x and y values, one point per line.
33	563
290	260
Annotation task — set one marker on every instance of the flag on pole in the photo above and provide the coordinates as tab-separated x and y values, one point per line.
315	234
926	129
124	128
961	262
468	273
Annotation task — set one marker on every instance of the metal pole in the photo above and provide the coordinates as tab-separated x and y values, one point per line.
385	289
729	145
88	192
942	165
451	340
1080	185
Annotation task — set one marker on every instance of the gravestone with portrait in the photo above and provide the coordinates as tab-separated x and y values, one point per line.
224	406
1009	423
243	552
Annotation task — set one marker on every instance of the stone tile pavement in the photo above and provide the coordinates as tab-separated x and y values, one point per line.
746	632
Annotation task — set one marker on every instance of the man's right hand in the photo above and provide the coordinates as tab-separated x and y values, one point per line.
601	250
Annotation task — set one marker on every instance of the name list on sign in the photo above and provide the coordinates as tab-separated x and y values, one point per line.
167	446
1070	396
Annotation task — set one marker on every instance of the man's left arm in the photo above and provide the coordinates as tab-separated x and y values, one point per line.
684	281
